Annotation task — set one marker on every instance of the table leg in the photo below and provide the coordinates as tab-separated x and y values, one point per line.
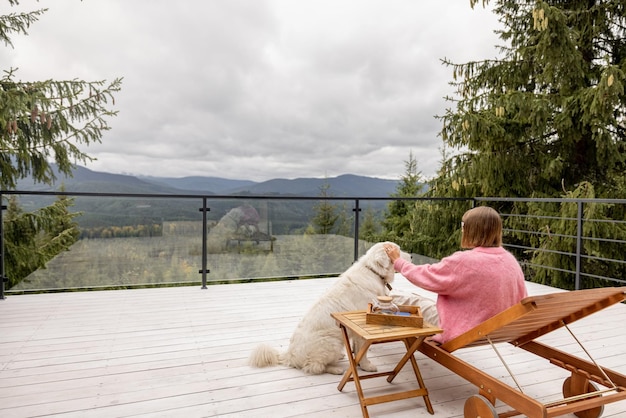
346	341
411	344
420	380
352	370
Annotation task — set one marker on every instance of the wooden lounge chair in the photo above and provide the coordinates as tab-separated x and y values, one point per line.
520	325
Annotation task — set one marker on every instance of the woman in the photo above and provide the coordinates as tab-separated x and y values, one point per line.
471	286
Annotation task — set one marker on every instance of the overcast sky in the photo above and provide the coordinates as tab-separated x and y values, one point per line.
261	89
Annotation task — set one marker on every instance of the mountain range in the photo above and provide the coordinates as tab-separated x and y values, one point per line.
86	180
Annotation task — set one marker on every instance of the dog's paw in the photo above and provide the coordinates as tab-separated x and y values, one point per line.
368	366
335	369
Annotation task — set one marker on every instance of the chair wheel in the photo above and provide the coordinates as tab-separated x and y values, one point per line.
591	387
477	406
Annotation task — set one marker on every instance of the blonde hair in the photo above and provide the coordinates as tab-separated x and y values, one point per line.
482	227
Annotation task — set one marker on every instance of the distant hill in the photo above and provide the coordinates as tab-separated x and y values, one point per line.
86	180
213	185
344	185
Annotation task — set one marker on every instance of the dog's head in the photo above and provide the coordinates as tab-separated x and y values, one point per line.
380	262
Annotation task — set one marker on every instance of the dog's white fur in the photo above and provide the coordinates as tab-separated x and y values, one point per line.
316	345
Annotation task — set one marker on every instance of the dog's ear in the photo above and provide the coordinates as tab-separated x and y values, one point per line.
381	257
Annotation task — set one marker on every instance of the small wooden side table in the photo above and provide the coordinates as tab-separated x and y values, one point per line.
378	334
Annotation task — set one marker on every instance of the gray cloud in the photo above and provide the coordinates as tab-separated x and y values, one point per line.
254	89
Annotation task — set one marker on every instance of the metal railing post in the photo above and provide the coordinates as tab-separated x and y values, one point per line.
579	244
2	276
204	269
356	229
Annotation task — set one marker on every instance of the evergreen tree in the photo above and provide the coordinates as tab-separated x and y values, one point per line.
43	122
325	213
369	227
435	223
32	239
545	119
556	238
549	113
345	222
397	220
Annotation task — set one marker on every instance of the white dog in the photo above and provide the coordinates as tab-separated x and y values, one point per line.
316	345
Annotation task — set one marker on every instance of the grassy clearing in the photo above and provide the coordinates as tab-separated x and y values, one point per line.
175	259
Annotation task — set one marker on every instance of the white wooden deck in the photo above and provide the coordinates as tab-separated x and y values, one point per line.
182	352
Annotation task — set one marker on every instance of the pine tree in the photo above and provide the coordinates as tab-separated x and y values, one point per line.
369	229
397	220
545	119
43	122
344	224
34	238
325	213
549	113
435	224
47	120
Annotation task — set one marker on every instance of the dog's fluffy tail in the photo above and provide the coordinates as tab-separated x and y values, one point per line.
264	356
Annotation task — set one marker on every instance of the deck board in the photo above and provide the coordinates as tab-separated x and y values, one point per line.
182	352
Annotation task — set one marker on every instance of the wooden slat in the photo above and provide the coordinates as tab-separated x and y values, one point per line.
477	335
538	315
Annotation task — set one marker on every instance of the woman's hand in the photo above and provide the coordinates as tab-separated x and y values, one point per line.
392	252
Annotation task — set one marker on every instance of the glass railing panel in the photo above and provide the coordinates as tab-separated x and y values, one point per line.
259	238
125	241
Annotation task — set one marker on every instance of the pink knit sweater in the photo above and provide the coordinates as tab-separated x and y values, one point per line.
472	286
